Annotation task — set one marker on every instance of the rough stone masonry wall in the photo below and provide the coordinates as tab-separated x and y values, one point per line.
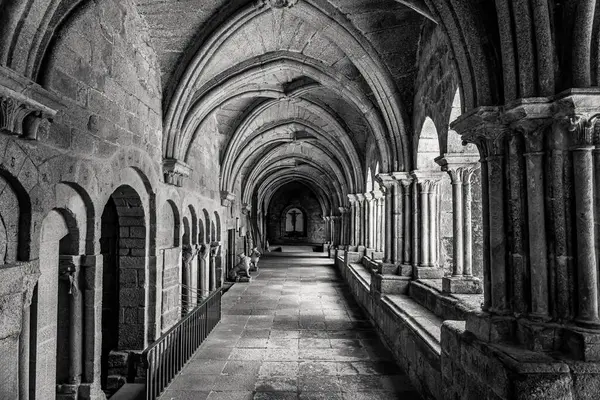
295	195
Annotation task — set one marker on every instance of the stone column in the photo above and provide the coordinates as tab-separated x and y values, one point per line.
203	266
404	200
427	185
212	272
360	214
587	269
389	222
382	222
460	167
377	221
369	220
353	220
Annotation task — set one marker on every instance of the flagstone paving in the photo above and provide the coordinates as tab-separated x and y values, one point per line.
294	332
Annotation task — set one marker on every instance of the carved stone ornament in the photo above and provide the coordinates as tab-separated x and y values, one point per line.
175	171
275	3
26	109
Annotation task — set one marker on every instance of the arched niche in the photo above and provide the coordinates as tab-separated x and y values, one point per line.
15	220
429	147
123	245
193	225
201	232
218	227
50	311
186	239
295	222
207	225
169	232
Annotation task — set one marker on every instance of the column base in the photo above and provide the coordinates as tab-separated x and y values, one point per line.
395	269
388	269
462	285
383	284
428	273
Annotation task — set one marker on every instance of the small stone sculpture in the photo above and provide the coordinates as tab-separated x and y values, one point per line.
254	257
241	272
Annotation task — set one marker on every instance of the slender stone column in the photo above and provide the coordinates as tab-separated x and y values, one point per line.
369	208
384	220
536	217
587	272
406	182
353	220
213	273
390	223
467	223
24	354
416	217
378	220
432	195
360	204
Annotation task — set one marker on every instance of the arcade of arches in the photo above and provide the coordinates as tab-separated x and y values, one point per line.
445	153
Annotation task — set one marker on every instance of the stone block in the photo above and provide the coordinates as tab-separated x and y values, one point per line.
388	269
462	285
429	273
581	344
390	284
405	270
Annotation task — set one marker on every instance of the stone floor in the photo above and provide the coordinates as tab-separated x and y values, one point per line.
294	332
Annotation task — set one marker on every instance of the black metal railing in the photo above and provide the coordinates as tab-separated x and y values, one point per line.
166	357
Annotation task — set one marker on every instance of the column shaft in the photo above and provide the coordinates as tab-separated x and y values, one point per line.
587	275
458	221
389	253
538	252
467	225
425	225
406	247
497	232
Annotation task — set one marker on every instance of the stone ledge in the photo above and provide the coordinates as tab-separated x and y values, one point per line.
429	294
425	324
361	273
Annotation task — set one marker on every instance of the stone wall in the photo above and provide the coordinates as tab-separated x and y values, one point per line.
101	76
295	195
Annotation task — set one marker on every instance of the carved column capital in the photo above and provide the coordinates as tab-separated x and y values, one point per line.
360	198
483	127
584	130
344	210
352	198
175	171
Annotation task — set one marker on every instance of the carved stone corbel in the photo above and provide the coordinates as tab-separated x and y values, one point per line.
175	171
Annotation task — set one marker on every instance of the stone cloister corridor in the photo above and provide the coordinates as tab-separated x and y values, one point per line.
439	158
293	332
